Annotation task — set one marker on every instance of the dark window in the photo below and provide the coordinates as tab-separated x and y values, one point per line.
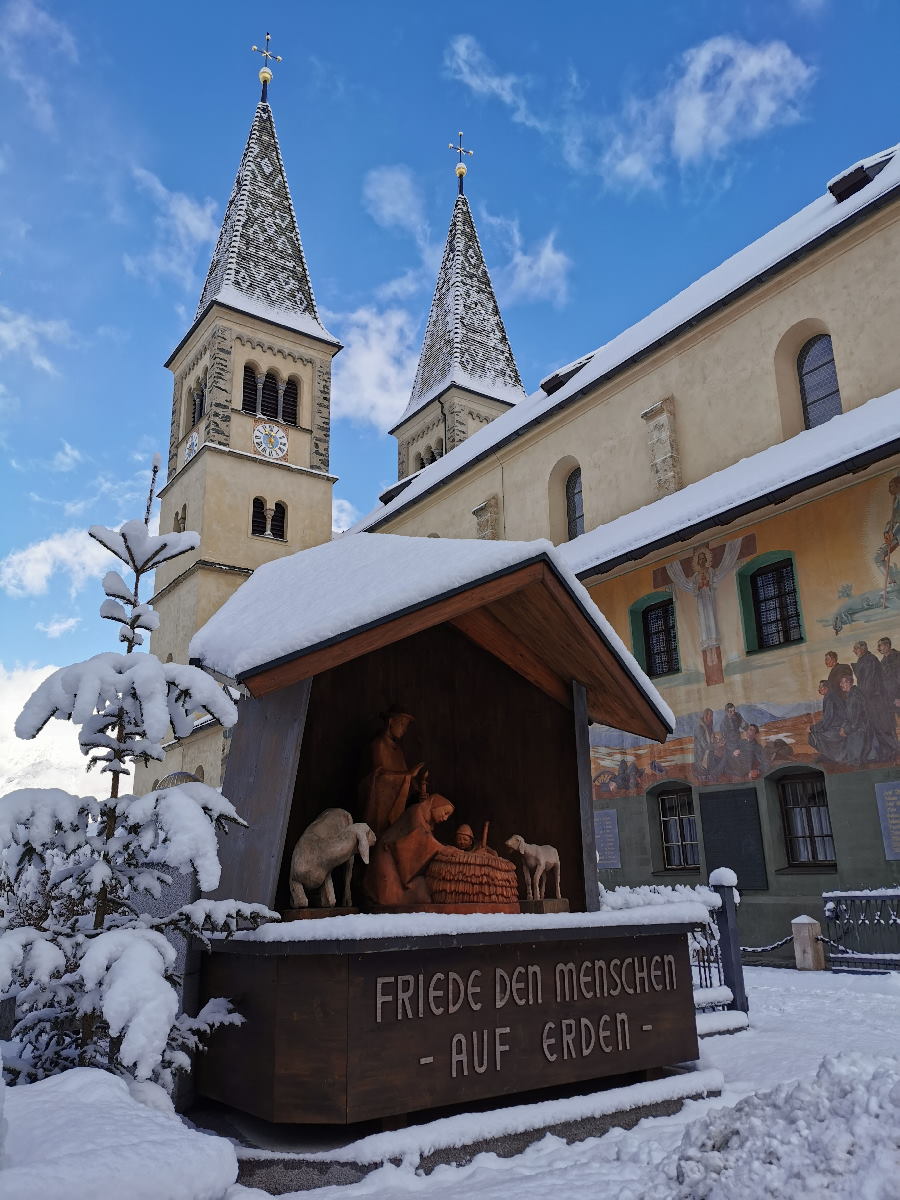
775	607
574	504
660	639
818	381
289	403
248	401
258	519
678	826
807	825
269	404
199	403
277	526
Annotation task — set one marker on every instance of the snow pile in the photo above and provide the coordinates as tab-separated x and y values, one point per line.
723	877
82	1136
837	1135
359	580
649	894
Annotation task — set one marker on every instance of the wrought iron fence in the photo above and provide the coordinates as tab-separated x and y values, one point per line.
862	930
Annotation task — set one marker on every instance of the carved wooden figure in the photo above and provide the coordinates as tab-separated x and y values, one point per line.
332	839
537	863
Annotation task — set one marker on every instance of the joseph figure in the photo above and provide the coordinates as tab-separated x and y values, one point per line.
385	790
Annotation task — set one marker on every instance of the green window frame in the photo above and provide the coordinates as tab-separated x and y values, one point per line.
750	616
637	614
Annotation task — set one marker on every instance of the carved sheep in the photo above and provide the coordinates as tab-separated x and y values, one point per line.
333	838
537	863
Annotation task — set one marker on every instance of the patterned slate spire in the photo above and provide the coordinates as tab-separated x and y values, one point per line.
465	342
258	265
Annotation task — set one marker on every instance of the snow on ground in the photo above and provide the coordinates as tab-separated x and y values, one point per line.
797	1020
81	1136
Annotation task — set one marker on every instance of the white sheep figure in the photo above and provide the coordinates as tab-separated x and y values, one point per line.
331	839
537	863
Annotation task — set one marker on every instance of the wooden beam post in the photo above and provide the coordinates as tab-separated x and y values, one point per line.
585	795
809	953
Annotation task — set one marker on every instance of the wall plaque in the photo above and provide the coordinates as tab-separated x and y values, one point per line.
887	796
606	839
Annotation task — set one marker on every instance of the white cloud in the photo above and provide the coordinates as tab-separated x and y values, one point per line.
182	226
23	26
22	334
65	458
57	626
539	274
28	572
466	62
374	373
52	759
718	94
393	199
343	514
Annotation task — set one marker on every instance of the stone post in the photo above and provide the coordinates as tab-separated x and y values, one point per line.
809	952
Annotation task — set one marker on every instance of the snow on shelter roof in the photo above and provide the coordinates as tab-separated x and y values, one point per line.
295	605
841	444
822	218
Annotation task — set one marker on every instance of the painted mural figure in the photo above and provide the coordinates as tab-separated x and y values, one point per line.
857	730
827	735
702	585
750	757
871	681
733	725
707	756
835	671
890	542
890	665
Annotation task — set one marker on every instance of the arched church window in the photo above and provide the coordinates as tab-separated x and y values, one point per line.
199	401
248	396
289	403
258	517
574	504
439	448
819	389
269	405
277	525
418	462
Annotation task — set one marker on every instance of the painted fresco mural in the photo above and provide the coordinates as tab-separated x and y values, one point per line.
832	700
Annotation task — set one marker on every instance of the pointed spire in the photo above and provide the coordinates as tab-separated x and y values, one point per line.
258	265
465	341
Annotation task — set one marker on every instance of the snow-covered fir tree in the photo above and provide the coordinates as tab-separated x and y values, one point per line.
94	976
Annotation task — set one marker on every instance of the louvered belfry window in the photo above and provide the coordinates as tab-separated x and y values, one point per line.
660	639
289	403
270	397
574	504
775	606
819	389
258	518
276	527
199	403
248	396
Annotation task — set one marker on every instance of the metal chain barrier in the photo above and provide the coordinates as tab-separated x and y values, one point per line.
766	949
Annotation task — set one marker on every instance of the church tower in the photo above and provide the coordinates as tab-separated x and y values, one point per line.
467	375
249	440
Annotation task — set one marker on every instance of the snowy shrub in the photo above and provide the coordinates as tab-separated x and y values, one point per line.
837	1135
95	977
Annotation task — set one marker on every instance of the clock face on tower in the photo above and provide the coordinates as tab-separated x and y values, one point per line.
191	446
270	440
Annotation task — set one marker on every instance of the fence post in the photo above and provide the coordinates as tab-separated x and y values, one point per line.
809	953
730	948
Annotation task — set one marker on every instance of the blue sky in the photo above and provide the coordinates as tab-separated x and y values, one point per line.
621	151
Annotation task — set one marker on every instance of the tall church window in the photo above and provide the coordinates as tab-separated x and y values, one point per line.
776	610
248	395
574	504
277	524
258	517
289	403
807	823
678	829
199	401
269	404
660	639
819	389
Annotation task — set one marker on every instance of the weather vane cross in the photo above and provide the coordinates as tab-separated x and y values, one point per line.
461	167
265	74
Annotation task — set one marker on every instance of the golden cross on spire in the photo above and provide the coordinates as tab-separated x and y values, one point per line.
265	74
461	167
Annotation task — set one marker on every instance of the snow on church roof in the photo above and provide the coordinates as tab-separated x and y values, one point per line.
465	342
823	217
258	265
794	464
330	591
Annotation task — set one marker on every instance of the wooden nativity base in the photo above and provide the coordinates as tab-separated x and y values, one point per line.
450	908
544	906
310	914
